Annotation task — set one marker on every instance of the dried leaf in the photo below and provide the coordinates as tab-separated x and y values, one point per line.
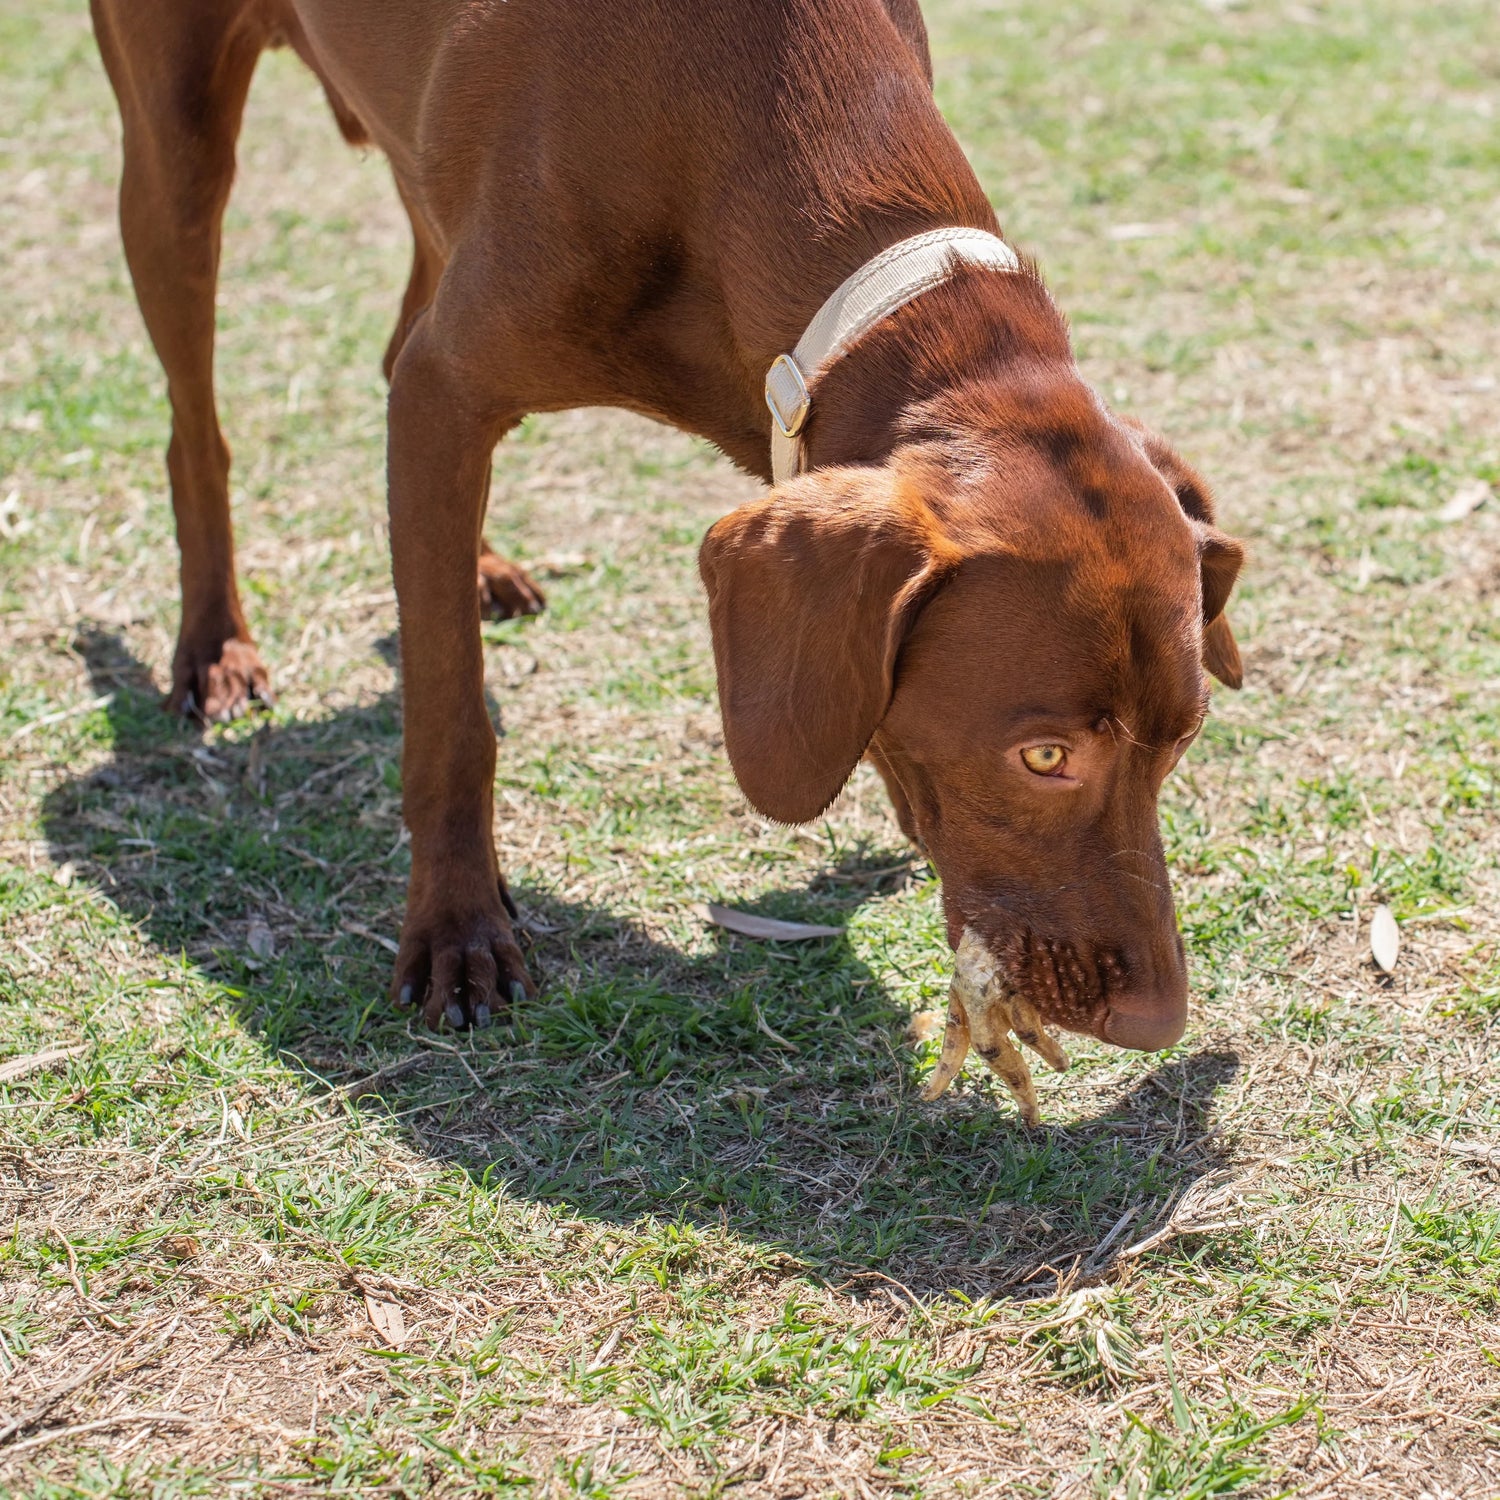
33	1062
1385	939
558	565
387	1319
925	1025
1479	1151
260	940
63	874
1466	499
769	929
1120	232
606	1349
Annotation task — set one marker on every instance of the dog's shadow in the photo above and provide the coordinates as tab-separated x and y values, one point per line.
766	1088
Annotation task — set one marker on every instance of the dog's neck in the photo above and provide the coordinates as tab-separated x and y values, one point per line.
845	155
982	329
828	224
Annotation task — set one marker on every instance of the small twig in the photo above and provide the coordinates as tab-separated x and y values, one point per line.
355	930
32	1415
361	1086
64	713
89	1302
152	1418
881	1276
760	1025
1469	1150
448	1047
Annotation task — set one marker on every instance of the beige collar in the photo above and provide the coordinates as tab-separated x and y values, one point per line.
872	293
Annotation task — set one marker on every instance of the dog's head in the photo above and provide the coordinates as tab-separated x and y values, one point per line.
1012	620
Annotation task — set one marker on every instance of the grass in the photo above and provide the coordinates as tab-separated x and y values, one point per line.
684	1227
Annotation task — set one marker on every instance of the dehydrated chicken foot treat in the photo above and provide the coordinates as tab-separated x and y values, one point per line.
981	1013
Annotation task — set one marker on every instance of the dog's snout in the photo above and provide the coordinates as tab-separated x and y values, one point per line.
1145	1023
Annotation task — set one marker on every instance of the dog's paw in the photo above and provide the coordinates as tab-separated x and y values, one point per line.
214	683
459	969
505	590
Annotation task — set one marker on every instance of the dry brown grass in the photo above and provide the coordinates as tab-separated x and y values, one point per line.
638	1245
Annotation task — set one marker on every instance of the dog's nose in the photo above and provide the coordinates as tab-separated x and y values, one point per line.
1142	1022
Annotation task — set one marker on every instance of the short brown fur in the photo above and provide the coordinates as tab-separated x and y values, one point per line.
640	203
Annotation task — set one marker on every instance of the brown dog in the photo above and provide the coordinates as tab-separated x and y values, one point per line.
995	589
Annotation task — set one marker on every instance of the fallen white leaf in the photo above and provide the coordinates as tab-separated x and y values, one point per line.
769	929
606	1349
33	1062
1385	939
1120	232
1466	499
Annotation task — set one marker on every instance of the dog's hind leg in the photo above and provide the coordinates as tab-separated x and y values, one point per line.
506	590
181	74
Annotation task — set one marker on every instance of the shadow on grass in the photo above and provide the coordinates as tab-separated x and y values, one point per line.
764	1087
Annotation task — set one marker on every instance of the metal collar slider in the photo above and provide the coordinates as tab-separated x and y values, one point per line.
786	395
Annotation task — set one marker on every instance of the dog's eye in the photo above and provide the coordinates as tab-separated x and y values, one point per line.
1180	748
1045	760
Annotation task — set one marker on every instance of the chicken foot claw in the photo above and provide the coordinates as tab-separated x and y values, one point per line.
955	1049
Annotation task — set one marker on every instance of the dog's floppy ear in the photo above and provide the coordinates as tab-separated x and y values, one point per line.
811	593
1222	558
1221	555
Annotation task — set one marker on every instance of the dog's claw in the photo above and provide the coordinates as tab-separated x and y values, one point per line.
218	681
507	591
517	992
457	968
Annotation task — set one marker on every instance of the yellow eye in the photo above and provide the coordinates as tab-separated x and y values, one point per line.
1045	760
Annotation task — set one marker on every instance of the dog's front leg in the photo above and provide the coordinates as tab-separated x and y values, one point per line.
458	958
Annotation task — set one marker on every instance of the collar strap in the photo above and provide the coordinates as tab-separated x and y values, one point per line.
894	278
